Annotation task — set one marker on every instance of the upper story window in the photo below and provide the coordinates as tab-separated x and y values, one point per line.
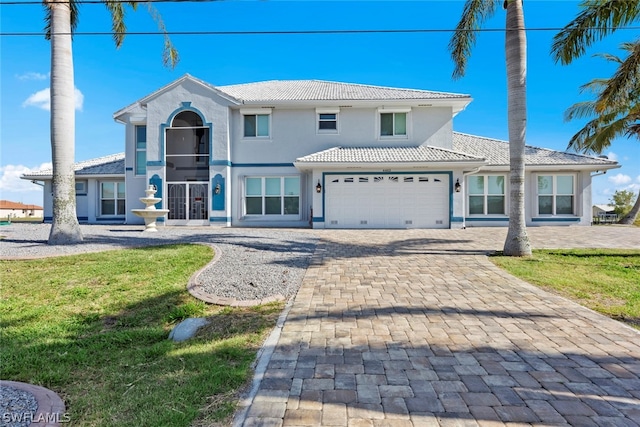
556	194
394	122
486	194
141	150
327	120
256	122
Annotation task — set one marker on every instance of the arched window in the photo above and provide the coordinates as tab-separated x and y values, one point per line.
187	148
187	119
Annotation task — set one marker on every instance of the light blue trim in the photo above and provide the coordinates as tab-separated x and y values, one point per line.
217	200
219	219
110	219
318	219
261	165
128	169
505	219
157	182
157	163
457	219
185	106
573	219
48	219
449	173
220	163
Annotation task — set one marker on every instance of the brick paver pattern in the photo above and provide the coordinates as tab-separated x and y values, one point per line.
418	328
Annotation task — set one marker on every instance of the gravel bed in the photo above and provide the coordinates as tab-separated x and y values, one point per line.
254	263
17	407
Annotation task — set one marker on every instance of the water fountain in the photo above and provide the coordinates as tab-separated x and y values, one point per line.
150	214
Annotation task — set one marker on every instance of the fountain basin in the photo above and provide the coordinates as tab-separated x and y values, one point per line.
150	214
150	217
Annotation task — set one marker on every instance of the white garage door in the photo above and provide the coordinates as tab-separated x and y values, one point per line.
387	201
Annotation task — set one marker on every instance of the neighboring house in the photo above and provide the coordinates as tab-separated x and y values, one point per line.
10	209
604	214
600	210
325	154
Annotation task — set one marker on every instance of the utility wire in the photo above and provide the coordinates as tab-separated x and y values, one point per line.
275	32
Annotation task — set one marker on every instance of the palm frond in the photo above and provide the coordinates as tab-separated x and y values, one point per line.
73	8
595	86
580	110
597	19
625	81
170	57
118	27
474	14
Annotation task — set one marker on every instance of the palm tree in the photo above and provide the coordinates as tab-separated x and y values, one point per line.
61	18
474	14
598	19
611	117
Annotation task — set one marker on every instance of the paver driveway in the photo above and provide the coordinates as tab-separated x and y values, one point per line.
417	327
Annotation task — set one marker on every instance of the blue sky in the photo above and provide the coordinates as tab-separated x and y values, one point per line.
108	79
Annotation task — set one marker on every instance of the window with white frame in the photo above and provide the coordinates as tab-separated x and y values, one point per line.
327	119
141	150
393	124
256	125
556	194
112	198
486	194
81	187
272	195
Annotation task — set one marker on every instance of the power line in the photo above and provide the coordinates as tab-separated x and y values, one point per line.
31	2
277	32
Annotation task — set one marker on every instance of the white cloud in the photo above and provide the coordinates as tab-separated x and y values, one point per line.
620	179
20	190
42	100
32	76
612	156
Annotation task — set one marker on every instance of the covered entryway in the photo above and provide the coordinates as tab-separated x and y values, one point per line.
187	203
389	200
187	158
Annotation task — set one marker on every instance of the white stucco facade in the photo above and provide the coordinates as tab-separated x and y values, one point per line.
322	154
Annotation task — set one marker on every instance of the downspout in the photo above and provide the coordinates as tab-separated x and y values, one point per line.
464	197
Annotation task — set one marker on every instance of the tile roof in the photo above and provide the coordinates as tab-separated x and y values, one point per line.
107	165
497	153
320	90
8	204
387	155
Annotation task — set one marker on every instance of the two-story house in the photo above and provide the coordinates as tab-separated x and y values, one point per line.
322	154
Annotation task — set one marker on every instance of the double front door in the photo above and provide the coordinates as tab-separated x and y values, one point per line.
188	203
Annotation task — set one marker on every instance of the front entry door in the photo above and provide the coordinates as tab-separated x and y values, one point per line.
188	203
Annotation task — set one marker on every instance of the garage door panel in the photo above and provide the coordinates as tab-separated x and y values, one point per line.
387	201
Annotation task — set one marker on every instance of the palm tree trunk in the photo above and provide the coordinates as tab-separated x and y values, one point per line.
630	218
65	228
517	242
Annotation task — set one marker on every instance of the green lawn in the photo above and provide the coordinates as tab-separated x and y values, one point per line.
94	329
605	280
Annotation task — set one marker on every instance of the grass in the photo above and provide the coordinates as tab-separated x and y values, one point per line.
94	329
605	280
